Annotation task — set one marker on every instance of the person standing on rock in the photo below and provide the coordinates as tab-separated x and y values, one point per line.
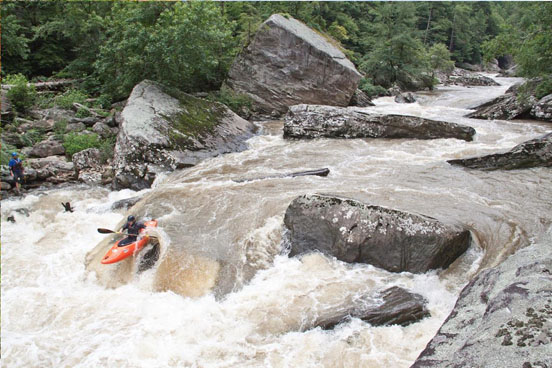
16	171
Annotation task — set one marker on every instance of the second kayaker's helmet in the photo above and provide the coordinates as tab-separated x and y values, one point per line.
131	218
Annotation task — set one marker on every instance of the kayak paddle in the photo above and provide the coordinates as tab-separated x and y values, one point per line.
107	231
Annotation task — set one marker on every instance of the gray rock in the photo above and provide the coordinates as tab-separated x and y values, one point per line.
75	127
467	78
102	129
534	153
53	113
405	98
47	148
314	121
500	318
398	307
353	231
5	185
125	203
360	99
89	121
543	109
14	139
87	159
55	169
287	63
162	132
505	107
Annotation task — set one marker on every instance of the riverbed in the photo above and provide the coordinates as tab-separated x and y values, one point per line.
56	313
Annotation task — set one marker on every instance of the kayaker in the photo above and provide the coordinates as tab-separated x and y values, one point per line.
16	171
133	229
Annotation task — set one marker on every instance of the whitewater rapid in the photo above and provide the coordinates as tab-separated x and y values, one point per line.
57	314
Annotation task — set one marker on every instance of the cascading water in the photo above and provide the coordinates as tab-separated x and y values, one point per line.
221	293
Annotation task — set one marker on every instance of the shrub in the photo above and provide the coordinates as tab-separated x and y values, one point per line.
32	137
21	95
544	88
106	148
82	113
5	154
74	143
71	96
233	100
103	102
60	127
371	90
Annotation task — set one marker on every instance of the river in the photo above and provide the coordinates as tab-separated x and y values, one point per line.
223	294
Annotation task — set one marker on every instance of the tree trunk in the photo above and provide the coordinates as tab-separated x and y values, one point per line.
428	23
451	44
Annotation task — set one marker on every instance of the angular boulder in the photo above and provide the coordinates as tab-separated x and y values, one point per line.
288	63
353	231
405	98
164	129
543	109
534	153
502	318
315	121
360	99
398	307
47	148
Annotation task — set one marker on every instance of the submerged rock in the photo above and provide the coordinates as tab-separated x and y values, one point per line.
164	129
288	63
315	121
398	307
534	153
405	98
353	231
503	317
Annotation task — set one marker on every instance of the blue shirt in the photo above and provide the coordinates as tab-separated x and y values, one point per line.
16	165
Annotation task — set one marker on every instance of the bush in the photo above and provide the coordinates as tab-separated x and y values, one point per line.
60	127
32	137
21	95
71	96
544	88
74	143
235	101
5	154
106	148
103	102
371	90
82	113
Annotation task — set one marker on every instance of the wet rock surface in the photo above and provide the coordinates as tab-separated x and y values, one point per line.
162	132
353	231
288	63
316	121
502	318
398	307
534	153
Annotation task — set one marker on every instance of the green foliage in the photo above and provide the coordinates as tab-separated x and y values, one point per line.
32	137
74	143
60	127
6	151
103	102
185	45
21	95
235	101
544	88
71	96
439	58
45	100
15	43
367	87
106	148
82	113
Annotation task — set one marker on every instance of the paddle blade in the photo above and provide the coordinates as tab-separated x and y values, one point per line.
105	231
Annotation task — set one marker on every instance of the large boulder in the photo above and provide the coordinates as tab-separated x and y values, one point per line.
360	99
163	129
503	317
353	231
47	148
54	169
315	121
288	63
398	307
518	102
543	108
534	153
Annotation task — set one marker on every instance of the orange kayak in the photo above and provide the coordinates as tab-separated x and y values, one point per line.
116	253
